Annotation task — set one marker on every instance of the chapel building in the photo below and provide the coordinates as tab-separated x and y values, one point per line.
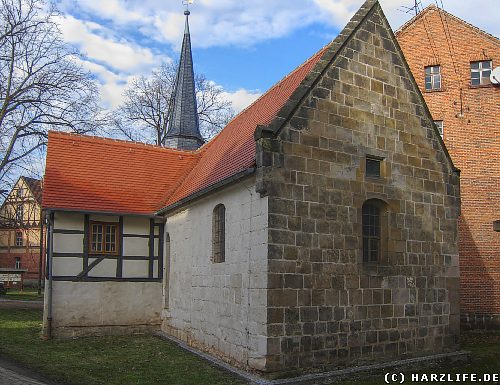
318	229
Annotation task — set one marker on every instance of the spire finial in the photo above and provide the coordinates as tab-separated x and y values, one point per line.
187	3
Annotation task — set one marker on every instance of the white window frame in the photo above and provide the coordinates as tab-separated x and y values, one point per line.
483	71
433	78
440	126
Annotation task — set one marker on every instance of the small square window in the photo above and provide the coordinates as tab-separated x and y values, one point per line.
373	167
432	78
439	125
480	72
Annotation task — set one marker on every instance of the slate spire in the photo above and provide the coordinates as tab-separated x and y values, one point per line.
184	127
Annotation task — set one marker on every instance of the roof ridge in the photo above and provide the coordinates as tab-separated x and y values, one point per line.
433	7
123	142
274	86
332	49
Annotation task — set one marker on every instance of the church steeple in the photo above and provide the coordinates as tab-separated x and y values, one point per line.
184	127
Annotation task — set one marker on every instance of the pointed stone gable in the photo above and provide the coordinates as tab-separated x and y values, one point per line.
326	306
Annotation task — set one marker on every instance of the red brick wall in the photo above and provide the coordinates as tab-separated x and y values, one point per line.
473	140
30	256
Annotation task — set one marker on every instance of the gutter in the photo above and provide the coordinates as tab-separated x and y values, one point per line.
198	194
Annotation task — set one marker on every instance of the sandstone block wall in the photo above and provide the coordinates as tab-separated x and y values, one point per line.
326	307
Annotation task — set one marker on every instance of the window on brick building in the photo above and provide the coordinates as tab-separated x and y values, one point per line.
439	125
480	72
19	238
433	78
103	238
17	263
219	234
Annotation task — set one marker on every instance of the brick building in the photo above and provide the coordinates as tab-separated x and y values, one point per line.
451	61
20	229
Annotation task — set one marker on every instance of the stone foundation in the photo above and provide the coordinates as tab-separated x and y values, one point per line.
469	321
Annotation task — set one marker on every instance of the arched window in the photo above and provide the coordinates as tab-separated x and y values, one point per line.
371	232
219	234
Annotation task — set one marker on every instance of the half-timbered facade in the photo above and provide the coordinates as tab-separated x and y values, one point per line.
20	228
317	229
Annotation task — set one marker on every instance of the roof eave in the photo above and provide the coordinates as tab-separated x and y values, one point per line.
98	212
207	190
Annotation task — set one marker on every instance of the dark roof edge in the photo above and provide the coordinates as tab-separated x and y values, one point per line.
79	211
314	76
430	7
200	193
39	201
420	95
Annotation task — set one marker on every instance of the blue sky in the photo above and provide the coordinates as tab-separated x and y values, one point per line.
243	46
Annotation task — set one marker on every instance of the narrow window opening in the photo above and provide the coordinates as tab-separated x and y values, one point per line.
372	214
218	234
17	263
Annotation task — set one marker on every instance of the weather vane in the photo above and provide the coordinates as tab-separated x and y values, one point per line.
187	3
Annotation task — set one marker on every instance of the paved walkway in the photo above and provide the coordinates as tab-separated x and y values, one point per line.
8	377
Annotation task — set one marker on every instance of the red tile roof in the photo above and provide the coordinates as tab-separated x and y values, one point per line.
105	175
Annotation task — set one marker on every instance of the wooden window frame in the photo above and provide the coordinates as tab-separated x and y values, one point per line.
17	263
117	236
219	234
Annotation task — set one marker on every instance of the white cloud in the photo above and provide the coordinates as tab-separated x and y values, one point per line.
244	23
99	45
241	98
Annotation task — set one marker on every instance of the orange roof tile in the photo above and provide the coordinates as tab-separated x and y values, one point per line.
105	175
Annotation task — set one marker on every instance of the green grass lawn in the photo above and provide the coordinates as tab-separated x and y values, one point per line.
147	360
138	360
25	295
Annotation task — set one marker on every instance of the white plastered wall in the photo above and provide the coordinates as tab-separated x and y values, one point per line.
94	306
220	307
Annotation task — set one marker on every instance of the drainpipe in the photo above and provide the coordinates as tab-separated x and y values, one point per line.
40	263
50	247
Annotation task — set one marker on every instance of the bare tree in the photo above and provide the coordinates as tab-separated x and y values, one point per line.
144	114
42	86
